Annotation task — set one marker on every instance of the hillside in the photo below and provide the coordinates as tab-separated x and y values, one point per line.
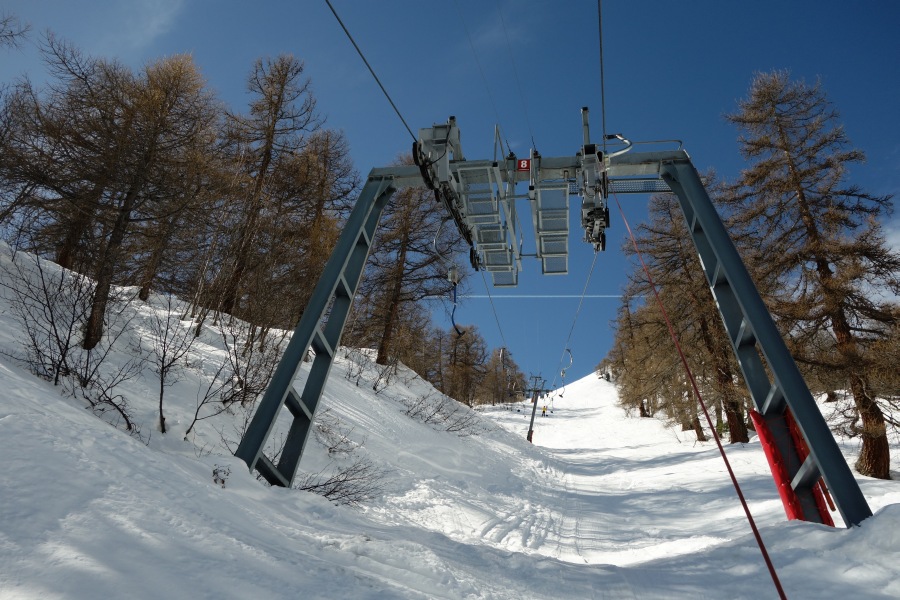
603	505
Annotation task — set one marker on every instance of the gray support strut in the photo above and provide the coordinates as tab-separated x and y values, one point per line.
332	296
758	344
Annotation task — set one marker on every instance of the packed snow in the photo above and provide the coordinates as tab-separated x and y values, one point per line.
603	505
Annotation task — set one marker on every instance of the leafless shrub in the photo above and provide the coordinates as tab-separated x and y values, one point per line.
169	342
331	432
353	485
350	484
424	409
240	378
99	393
385	374
358	364
251	360
230	440
52	305
209	398
464	422
407	375
96	378
446	414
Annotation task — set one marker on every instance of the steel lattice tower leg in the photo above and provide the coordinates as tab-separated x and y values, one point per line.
332	297
754	337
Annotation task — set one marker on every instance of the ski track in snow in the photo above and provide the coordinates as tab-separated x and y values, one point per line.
565	512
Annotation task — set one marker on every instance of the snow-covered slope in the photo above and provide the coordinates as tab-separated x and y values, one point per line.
602	505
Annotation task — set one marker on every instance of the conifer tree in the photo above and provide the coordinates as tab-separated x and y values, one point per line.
818	246
282	113
672	259
466	360
100	155
502	379
409	262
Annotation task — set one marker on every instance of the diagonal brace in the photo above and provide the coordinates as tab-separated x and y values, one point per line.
761	350
319	329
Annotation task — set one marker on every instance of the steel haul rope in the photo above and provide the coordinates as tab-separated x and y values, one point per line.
575	319
371	70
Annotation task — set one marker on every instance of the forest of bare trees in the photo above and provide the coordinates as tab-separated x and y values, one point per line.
814	245
143	180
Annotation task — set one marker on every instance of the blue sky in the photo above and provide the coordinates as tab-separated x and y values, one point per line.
672	69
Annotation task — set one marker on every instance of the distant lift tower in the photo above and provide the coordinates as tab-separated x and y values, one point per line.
481	198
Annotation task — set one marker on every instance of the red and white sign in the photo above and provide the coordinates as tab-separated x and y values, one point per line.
523	164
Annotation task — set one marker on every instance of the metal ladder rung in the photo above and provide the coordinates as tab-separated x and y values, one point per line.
694	225
744	336
343	288
320	344
366	239
774	401
270	472
296	405
717	274
808	474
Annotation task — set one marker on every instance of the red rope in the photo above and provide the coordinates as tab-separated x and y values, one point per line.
690	374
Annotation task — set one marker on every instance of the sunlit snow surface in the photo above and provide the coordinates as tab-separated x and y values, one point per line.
602	505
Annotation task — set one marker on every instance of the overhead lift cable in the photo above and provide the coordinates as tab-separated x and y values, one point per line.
504	350
452	275
602	84
480	69
494	309
575	320
371	70
512	60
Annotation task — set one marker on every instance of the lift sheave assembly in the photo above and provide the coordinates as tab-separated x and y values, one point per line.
481	196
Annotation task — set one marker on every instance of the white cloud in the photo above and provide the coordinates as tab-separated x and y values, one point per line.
891	231
135	26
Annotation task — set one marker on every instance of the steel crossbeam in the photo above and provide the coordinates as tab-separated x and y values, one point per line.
474	194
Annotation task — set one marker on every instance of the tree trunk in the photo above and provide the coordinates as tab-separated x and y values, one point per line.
80	222
106	271
724	382
148	274
384	346
162	419
698	428
737	426
230	295
734	407
874	456
643	409
248	228
65	256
